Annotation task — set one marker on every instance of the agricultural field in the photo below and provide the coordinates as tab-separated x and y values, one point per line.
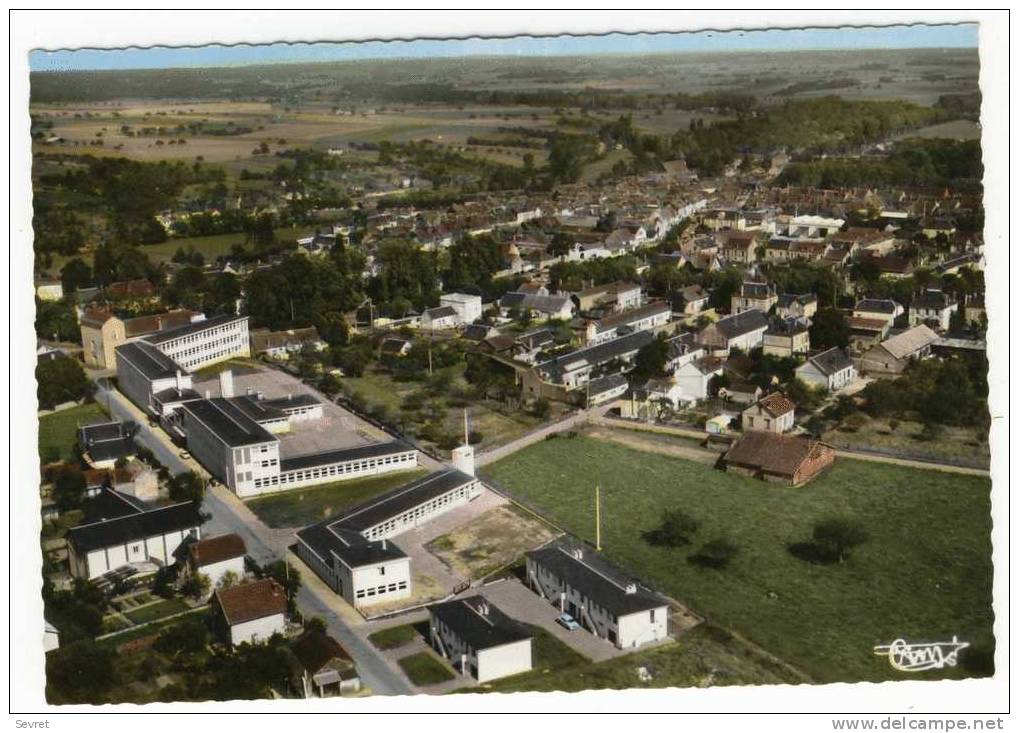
925	571
301	507
58	431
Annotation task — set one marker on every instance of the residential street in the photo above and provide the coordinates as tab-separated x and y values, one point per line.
229	514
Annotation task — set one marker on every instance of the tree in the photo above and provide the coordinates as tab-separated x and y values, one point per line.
68	488
75	275
61	380
675	529
187	486
188	636
197	586
838	536
650	360
227	579
82	671
56	321
829	328
316	624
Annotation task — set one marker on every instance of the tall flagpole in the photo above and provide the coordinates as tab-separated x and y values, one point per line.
597	518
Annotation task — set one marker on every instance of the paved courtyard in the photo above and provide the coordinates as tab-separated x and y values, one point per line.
335	430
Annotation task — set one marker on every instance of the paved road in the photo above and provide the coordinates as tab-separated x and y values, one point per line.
263	545
571	421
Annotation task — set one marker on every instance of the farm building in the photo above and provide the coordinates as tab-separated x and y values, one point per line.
783	458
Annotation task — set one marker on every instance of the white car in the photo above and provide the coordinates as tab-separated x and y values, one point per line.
184	455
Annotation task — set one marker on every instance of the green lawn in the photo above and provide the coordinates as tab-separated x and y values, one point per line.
58	432
704	655
423	669
925	573
157	610
394	637
955	444
300	507
212	246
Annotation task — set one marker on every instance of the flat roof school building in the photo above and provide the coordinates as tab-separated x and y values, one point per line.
204	342
603	600
233	446
352	553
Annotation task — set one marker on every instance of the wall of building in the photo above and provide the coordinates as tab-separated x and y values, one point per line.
502	661
210	346
381	583
159	547
269	482
258	630
643	627
217	570
424	512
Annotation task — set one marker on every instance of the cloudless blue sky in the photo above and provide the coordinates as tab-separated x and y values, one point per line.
964	35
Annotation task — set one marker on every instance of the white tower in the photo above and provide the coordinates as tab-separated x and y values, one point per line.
463	456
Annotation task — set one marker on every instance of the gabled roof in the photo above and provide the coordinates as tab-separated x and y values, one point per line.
135	526
252	601
596	579
831	361
743	323
909	341
228	422
315	649
216	549
874	305
479	623
772	453
442	311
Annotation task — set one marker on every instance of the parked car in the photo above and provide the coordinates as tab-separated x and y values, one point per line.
567	622
184	455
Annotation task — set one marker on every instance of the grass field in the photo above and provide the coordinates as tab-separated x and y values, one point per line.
423	669
925	573
212	246
58	432
394	637
301	507
157	610
703	656
955	444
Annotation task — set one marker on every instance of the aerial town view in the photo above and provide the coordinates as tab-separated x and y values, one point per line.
429	375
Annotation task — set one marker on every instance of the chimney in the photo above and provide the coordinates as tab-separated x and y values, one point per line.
226	383
383	543
482	608
207	394
578	553
631	589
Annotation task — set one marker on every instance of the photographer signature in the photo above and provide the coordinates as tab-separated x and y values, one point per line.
907	657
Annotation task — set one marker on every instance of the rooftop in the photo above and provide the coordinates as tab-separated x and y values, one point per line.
192	328
252	601
228	422
134	526
216	549
594	577
771	452
478	623
149	360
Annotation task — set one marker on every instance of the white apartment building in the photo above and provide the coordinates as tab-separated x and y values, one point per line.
478	639
600	598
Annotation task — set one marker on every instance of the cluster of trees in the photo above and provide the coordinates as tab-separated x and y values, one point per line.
308	291
56	321
934	163
572	276
823	124
61	380
951	391
191	288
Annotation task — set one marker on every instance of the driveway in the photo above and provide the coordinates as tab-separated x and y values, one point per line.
514	599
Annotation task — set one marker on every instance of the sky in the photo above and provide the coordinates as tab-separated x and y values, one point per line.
948	36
